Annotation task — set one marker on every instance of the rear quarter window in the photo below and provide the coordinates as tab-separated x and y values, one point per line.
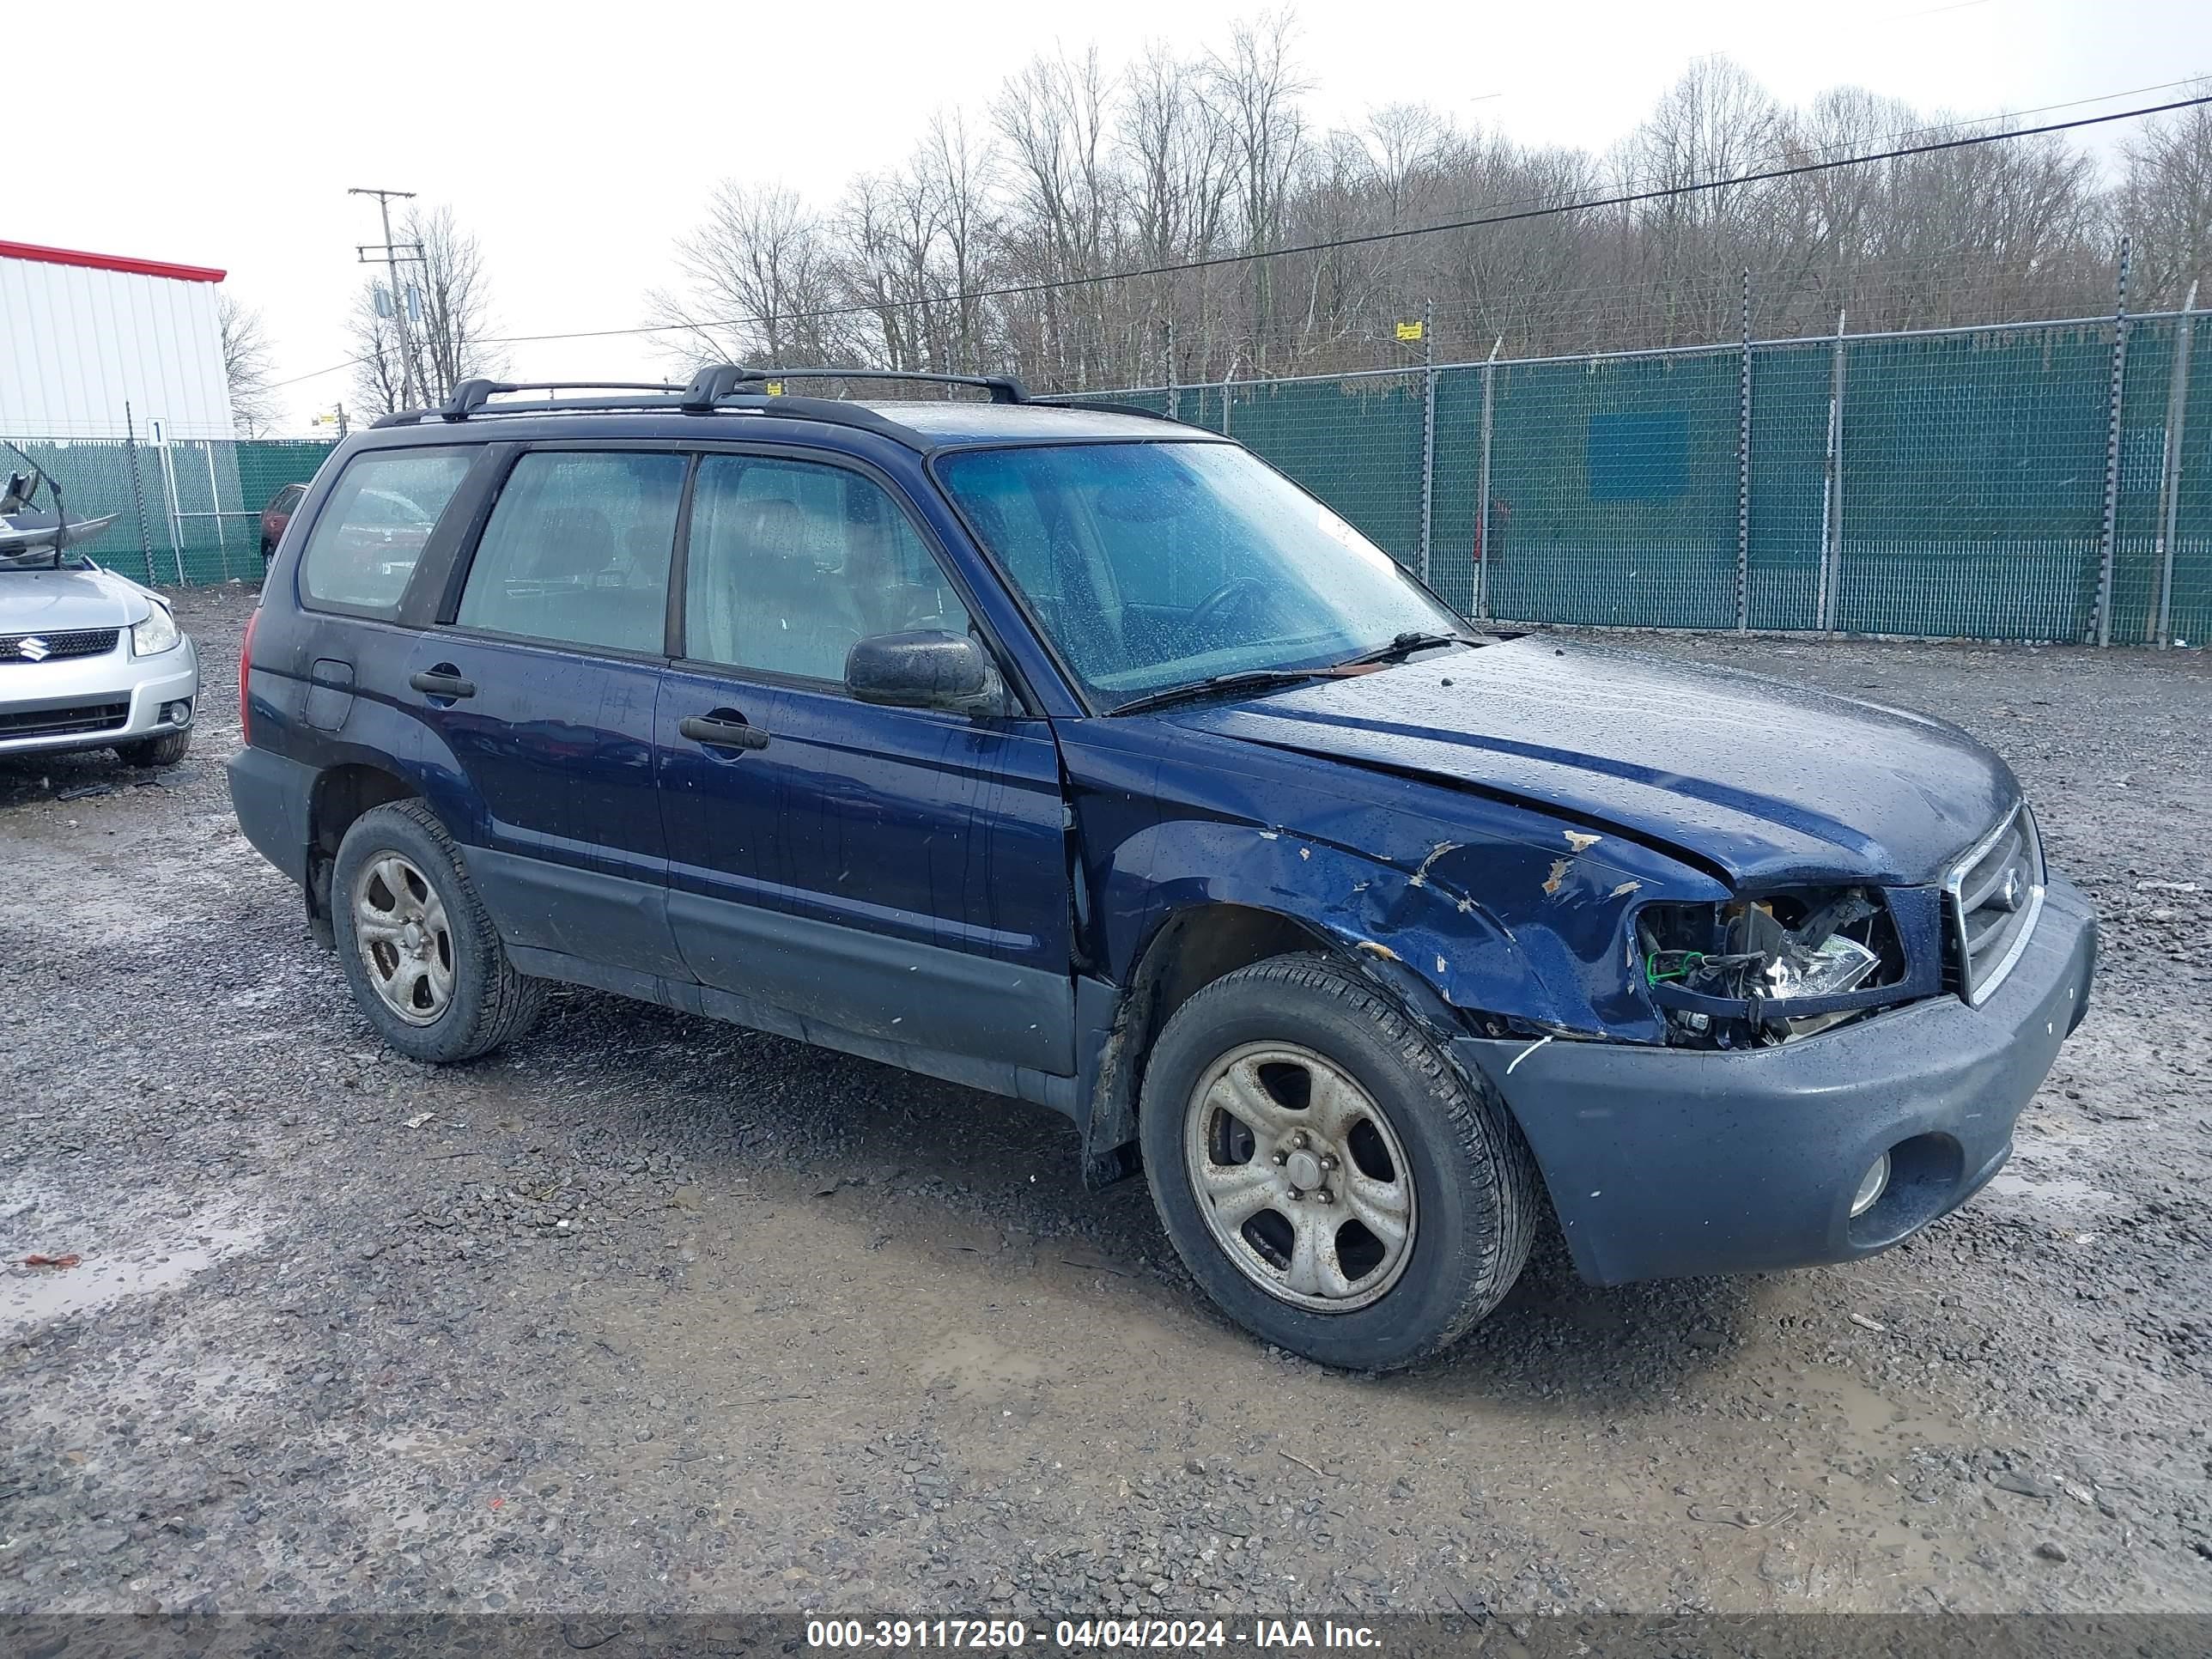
371	532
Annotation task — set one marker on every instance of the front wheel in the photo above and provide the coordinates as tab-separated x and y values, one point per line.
424	961
1330	1180
148	753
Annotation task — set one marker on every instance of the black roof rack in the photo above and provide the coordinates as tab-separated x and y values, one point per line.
714	390
469	396
720	379
730	388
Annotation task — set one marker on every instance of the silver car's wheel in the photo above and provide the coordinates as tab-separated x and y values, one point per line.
1301	1178
405	940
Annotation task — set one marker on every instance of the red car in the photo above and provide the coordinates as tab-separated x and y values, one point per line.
278	514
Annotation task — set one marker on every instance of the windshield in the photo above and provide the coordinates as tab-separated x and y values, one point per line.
1158	565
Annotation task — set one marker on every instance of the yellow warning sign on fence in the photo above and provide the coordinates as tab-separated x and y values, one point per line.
1409	331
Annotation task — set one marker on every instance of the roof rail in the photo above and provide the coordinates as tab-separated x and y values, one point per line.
720	379
469	396
1082	400
698	399
834	410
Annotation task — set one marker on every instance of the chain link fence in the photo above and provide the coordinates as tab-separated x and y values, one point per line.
2038	481
187	513
2026	481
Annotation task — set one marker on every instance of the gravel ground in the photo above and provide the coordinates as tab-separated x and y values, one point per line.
655	1314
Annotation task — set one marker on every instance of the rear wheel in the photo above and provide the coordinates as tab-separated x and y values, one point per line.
165	750
424	961
1333	1184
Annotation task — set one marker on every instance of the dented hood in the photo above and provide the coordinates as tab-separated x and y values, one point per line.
1760	780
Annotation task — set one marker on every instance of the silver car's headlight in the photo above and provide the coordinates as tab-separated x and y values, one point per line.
157	633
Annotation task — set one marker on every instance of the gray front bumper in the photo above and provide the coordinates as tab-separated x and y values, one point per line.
141	683
1662	1163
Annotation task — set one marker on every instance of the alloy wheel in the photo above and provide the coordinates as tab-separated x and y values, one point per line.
406	944
1302	1182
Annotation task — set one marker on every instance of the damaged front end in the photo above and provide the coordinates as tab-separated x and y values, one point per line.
1755	972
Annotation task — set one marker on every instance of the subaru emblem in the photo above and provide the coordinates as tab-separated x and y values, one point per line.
34	649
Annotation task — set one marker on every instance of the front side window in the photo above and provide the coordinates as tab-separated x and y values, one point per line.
371	532
791	563
1153	566
577	551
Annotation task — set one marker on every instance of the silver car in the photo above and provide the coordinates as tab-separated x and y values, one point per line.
89	660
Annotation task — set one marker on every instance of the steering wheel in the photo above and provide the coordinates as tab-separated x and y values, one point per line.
1237	590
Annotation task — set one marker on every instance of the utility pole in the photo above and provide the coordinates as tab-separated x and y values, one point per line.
410	372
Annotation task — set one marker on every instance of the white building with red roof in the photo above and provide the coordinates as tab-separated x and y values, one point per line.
82	335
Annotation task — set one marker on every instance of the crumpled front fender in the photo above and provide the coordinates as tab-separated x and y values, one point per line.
1504	911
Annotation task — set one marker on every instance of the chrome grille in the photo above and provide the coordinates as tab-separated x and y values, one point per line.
48	647
1990	901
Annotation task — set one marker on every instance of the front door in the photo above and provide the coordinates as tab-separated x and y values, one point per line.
544	688
898	874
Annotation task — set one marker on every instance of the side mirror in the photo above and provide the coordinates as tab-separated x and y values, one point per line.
925	668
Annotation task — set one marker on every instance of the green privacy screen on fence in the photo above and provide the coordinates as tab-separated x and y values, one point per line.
185	512
1973	483
1946	485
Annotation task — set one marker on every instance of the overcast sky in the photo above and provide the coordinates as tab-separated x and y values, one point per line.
577	141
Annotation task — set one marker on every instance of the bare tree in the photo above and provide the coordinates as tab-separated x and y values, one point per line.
1175	146
1174	149
759	282
1257	85
455	310
885	236
1715	123
2166	202
959	169
247	364
1056	236
1064	201
443	338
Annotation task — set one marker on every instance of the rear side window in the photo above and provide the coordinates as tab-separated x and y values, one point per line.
577	550
371	532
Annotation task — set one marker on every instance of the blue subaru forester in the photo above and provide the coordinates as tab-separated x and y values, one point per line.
1077	754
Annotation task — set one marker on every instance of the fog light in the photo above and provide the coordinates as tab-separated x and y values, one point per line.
176	714
1871	1185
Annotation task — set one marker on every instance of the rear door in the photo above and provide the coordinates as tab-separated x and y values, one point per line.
900	873
542	686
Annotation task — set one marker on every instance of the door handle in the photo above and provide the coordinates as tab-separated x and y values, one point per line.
443	681
716	732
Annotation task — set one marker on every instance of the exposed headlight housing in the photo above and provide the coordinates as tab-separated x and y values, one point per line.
157	633
1756	971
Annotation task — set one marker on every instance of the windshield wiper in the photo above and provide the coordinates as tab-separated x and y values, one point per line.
1244	679
1404	645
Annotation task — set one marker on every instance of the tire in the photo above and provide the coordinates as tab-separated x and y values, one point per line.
445	991
1459	1169
150	752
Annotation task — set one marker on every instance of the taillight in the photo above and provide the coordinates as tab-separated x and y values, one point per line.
245	668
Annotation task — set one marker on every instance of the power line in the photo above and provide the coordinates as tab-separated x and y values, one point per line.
1511	215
